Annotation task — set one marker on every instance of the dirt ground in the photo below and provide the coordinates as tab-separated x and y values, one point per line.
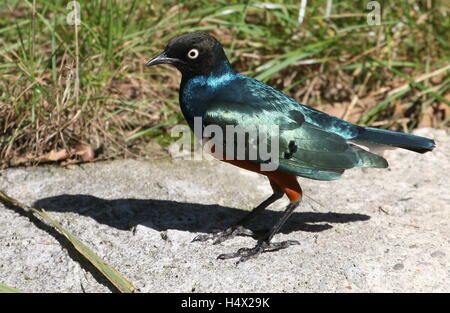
373	230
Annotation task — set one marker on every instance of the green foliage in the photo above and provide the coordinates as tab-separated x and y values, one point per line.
323	61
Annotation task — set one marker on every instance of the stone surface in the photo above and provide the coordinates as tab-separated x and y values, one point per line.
372	230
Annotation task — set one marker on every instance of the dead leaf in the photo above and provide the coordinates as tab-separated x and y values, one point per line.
86	152
426	120
54	156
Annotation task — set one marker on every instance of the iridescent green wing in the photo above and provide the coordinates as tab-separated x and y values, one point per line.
304	149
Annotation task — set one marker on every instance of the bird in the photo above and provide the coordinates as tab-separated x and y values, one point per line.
311	144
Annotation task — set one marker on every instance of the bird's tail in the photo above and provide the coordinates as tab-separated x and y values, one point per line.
395	139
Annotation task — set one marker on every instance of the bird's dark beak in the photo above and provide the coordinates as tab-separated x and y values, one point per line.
161	59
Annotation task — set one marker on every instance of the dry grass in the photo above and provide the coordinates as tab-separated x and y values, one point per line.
395	75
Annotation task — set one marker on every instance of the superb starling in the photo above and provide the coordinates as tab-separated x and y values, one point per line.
311	144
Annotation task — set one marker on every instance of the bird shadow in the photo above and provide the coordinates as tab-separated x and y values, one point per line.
162	215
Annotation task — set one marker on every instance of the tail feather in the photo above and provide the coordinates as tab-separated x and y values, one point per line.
395	139
368	159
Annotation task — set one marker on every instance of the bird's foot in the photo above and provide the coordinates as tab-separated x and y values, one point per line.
229	233
244	254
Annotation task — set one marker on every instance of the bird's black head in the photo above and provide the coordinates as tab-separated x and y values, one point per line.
195	53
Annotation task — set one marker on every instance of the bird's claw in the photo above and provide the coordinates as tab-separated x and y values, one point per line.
244	254
221	236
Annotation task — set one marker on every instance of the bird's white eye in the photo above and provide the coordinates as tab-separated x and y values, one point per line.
193	54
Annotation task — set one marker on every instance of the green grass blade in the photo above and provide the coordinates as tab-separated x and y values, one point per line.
274	69
120	282
6	289
145	131
411	81
372	113
290	58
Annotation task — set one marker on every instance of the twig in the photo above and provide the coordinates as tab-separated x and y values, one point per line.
350	107
77	68
420	78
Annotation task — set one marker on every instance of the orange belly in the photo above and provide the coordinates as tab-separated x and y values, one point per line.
280	181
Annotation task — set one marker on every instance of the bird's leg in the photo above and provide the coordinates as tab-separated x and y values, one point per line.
289	185
238	228
264	244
